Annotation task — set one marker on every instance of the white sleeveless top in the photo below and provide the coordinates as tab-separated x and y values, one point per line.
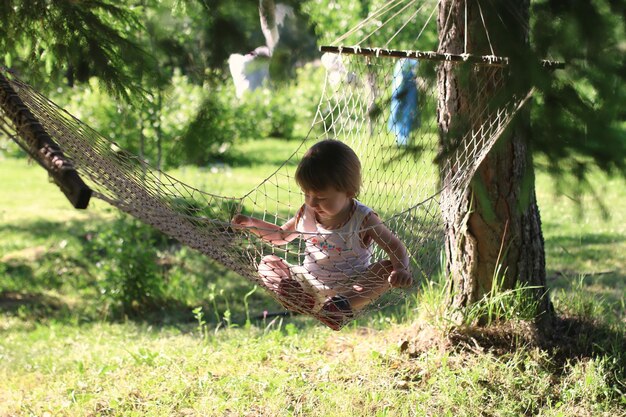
337	254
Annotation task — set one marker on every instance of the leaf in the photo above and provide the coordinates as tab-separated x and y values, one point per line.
49	61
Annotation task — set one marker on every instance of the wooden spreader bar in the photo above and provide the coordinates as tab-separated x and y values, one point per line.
430	55
40	146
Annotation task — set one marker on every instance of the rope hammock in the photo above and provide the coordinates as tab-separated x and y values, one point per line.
402	182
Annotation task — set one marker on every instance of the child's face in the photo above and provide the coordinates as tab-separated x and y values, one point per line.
328	203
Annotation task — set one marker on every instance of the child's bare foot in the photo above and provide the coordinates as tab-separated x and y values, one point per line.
293	297
336	312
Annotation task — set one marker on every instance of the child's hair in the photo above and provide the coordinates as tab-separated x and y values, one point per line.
330	163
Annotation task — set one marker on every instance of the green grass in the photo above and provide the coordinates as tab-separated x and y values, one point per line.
61	354
585	243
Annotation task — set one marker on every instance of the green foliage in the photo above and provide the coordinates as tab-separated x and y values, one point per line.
202	330
95	107
219	123
332	19
141	128
223	120
174	33
580	119
9	149
305	95
213	130
280	114
227	27
287	112
129	281
190	124
79	38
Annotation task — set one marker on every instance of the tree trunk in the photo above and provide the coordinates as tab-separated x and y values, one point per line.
493	228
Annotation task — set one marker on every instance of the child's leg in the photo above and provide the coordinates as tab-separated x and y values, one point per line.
370	286
273	270
276	276
341	308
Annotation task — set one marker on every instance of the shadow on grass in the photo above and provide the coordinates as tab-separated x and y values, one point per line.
45	265
49	229
572	340
591	261
62	285
606	286
45	308
221	294
585	239
32	305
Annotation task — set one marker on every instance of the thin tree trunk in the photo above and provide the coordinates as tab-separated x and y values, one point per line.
493	229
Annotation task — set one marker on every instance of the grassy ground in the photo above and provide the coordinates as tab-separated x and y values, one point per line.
60	354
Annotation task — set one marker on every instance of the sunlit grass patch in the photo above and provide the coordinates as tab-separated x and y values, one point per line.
585	243
124	369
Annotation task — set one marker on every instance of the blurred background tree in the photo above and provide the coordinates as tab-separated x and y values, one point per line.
72	41
580	119
168	58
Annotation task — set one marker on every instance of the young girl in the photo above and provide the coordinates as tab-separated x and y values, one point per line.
336	279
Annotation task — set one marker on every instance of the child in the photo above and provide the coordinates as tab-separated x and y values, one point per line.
337	278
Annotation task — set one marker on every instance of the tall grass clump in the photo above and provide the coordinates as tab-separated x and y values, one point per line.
500	304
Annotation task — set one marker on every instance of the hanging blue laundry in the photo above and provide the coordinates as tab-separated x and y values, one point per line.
404	111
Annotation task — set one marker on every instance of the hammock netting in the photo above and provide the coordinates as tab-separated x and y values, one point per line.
405	172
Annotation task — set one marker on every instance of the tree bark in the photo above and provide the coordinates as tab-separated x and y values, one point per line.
493	228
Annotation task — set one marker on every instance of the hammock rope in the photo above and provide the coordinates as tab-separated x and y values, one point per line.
402	184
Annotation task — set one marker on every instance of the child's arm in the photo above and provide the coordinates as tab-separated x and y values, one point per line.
269	232
395	249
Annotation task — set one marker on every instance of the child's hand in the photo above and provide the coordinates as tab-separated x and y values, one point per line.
240	220
400	278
